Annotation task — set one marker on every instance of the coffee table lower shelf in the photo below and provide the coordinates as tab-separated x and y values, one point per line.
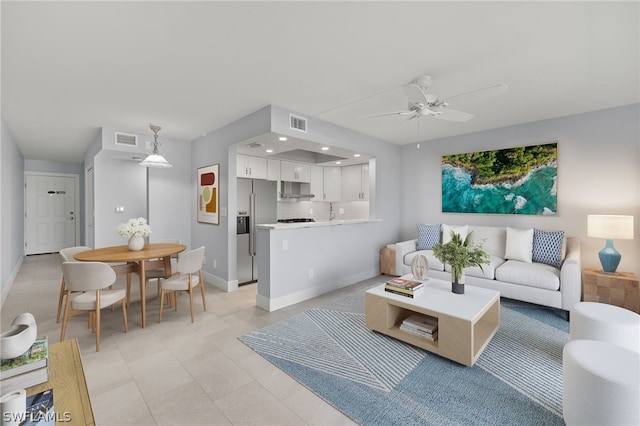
461	336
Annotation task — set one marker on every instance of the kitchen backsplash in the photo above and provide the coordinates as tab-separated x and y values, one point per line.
320	210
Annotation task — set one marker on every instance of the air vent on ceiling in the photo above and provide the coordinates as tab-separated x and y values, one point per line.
253	145
297	123
126	139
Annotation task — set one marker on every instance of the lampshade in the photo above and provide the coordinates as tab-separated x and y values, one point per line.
155	159
612	227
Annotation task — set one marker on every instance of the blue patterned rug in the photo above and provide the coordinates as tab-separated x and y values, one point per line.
377	380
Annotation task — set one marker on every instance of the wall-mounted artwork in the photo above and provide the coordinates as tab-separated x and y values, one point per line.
520	180
209	194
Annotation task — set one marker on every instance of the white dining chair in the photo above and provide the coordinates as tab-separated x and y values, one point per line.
67	255
188	277
91	280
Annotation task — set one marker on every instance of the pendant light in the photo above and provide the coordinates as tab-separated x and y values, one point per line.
155	159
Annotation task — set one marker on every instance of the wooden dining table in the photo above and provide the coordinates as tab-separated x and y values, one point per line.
152	256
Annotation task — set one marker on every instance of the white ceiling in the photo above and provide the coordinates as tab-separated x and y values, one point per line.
69	68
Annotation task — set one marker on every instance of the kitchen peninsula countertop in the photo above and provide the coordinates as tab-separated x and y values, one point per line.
276	226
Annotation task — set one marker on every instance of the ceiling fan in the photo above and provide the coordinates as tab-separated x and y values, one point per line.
423	104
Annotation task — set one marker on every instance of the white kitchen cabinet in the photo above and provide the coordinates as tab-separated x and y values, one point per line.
316	186
294	172
355	182
332	183
273	169
251	167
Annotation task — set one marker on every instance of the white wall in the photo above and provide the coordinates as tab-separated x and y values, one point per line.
11	209
164	197
598	173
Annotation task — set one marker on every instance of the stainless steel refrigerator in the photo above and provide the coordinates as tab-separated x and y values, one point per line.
257	203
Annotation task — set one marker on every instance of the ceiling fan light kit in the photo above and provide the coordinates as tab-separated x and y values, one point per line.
428	104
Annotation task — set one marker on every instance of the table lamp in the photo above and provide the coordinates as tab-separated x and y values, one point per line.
610	227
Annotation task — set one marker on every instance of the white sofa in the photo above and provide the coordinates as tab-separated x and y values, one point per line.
518	270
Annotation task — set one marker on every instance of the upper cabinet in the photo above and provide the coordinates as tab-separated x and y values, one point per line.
332	183
355	182
251	167
273	169
294	172
316	186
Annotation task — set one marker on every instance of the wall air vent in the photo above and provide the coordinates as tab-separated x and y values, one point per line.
126	139
297	123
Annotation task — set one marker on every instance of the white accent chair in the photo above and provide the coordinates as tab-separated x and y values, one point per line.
91	279
605	323
67	255
188	277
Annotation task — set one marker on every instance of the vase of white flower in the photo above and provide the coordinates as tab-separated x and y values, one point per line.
136	242
135	229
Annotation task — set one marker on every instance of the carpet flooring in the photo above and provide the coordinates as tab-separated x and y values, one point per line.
378	380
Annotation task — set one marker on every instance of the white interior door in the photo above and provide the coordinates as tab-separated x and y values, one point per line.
50	209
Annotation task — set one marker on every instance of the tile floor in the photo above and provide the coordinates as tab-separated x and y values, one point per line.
175	372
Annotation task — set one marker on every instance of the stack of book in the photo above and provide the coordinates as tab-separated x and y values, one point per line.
29	369
420	325
404	287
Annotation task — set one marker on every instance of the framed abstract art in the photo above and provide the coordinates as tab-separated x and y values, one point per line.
209	194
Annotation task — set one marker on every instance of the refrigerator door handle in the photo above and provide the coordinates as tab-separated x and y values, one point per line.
252	224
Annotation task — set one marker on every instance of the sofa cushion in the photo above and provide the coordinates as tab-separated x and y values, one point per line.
493	238
434	263
487	271
446	232
547	247
428	235
519	244
537	275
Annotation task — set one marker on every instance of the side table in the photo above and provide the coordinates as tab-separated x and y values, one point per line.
620	289
388	261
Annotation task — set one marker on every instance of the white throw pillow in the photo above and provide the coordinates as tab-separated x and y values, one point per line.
519	244
460	230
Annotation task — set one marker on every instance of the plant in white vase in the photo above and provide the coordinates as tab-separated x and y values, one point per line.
135	229
460	254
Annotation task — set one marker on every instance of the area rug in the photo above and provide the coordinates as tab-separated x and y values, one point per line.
377	380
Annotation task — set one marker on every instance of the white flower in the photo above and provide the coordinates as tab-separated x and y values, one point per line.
137	226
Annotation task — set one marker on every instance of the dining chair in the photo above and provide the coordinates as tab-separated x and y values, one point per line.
92	280
188	277
159	273
67	255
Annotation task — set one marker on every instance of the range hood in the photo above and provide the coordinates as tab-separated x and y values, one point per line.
295	190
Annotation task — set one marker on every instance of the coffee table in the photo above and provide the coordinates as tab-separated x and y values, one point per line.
466	322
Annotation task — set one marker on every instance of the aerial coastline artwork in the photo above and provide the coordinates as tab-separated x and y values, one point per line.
521	180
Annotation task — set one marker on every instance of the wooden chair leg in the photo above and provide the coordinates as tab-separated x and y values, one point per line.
128	289
191	302
62	286
124	315
65	316
161	305
97	320
204	302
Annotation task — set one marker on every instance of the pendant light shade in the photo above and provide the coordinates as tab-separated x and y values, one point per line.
155	159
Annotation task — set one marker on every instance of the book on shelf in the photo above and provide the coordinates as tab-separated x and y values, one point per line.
421	323
411	294
428	336
35	357
404	283
24	380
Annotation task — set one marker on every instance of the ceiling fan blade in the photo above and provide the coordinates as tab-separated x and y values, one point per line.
414	93
477	94
405	112
453	115
413	117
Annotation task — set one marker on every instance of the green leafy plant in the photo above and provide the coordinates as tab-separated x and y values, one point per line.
461	253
